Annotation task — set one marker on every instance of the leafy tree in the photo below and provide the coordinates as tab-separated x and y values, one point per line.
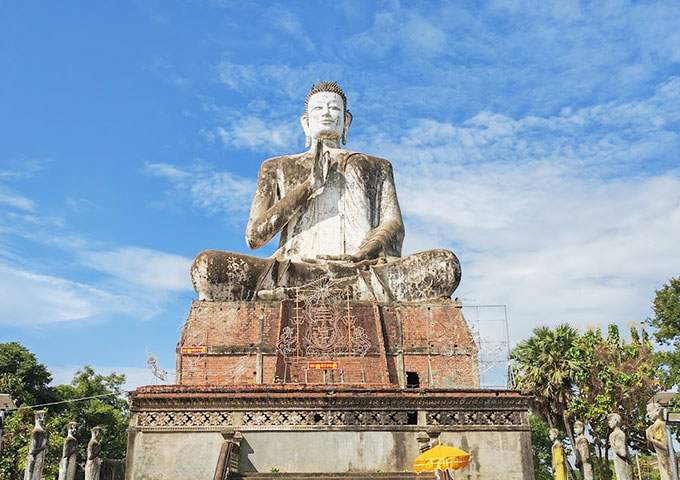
541	447
614	376
666	321
108	411
16	435
26	380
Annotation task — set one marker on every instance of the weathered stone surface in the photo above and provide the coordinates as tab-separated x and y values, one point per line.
304	429
583	461
338	218
617	439
68	462
657	438
267	343
37	448
93	465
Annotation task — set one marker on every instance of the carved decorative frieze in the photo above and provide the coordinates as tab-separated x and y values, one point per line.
184	419
326	418
321	418
473	417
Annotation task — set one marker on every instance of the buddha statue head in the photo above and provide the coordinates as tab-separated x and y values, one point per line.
326	116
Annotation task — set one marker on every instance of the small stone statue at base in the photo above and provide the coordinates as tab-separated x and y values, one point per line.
657	438
583	458
559	461
617	439
67	465
93	465
37	448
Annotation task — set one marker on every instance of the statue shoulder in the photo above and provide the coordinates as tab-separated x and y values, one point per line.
375	162
274	163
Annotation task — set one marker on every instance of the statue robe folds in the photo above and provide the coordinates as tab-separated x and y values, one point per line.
36	454
559	462
622	464
357	206
656	437
93	465
67	464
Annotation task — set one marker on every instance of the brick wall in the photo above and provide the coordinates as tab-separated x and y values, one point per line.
237	345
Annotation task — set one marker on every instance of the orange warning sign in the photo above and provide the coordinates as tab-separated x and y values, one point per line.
322	365
194	350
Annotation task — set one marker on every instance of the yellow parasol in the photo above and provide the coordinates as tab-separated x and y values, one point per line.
441	457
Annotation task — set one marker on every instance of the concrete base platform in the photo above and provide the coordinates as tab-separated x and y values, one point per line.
336	476
304	432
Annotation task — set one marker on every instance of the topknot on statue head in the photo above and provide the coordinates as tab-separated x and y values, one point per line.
326	86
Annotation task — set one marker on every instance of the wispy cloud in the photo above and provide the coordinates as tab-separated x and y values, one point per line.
149	269
287	23
257	134
574	216
16	201
28	299
207	189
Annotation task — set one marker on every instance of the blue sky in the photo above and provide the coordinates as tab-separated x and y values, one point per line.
538	140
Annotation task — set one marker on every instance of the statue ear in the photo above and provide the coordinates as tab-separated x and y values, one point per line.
304	121
348	122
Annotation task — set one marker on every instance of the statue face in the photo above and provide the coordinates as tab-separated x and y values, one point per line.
614	421
72	430
653	411
325	115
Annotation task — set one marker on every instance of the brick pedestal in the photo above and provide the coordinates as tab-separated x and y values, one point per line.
235	343
327	388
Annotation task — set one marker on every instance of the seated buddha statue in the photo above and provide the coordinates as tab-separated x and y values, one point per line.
339	221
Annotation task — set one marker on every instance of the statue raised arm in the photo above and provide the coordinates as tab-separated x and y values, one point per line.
338	218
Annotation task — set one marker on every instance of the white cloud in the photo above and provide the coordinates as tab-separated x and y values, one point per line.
260	134
16	201
572	218
149	269
287	23
215	192
29	299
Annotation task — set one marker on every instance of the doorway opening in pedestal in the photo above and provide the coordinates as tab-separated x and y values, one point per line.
412	380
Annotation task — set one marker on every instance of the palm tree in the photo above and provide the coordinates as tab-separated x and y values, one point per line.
544	366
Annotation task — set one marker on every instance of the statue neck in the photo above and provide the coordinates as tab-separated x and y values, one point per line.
328	143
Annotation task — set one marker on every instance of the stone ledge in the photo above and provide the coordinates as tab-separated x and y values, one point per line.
334	476
179	398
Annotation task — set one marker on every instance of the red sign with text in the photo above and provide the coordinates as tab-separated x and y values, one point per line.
194	350
322	365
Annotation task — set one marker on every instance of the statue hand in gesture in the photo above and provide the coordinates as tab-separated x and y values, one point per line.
320	166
